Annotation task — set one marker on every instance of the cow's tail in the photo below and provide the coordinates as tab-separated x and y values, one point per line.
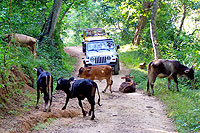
149	66
98	94
50	87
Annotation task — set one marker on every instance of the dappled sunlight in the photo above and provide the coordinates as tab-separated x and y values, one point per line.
127	47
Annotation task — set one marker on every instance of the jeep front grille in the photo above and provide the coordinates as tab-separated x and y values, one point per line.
100	59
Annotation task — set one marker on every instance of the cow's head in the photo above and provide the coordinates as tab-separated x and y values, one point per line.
38	70
6	38
189	73
64	84
127	78
84	71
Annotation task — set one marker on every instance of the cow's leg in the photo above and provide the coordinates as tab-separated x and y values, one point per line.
148	87
38	96
176	81
169	82
92	103
151	82
50	102
50	93
80	104
105	88
108	84
111	82
67	99
46	99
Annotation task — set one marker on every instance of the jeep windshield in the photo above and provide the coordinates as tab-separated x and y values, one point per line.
100	45
95	32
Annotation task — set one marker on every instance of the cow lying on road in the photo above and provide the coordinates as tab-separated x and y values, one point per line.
128	86
99	72
82	88
45	85
167	68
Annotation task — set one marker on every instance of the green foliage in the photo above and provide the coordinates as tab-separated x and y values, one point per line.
183	107
54	60
27	17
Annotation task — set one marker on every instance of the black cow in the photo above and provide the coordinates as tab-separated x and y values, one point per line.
167	68
45	85
82	88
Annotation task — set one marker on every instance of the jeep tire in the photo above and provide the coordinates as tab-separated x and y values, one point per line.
116	68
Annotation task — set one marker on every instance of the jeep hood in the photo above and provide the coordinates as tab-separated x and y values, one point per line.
101	53
87	39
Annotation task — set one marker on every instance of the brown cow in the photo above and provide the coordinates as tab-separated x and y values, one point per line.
23	40
142	65
99	72
128	86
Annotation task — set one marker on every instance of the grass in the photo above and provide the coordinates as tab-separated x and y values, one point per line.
50	58
183	106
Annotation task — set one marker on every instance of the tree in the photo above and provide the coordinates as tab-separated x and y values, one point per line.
153	33
50	25
181	26
142	22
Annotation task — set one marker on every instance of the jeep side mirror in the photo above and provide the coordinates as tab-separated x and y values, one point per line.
118	47
83	47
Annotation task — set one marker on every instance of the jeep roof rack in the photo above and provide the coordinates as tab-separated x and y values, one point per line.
100	40
89	29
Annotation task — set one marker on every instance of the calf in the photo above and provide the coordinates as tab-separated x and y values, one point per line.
82	88
142	65
128	86
23	40
45	85
99	72
167	68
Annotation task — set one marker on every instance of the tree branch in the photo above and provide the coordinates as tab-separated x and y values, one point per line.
65	13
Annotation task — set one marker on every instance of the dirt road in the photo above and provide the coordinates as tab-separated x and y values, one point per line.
119	113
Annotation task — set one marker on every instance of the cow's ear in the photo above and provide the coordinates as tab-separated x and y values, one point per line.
71	79
187	71
88	70
35	69
191	67
59	81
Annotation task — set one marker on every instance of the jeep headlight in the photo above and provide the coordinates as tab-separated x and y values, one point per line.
108	57
92	59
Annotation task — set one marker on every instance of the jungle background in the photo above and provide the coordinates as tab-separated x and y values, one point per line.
127	21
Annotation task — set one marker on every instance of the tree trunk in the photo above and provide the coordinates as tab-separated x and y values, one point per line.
141	23
52	20
180	28
153	33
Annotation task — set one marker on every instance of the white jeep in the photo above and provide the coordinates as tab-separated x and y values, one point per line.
101	52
